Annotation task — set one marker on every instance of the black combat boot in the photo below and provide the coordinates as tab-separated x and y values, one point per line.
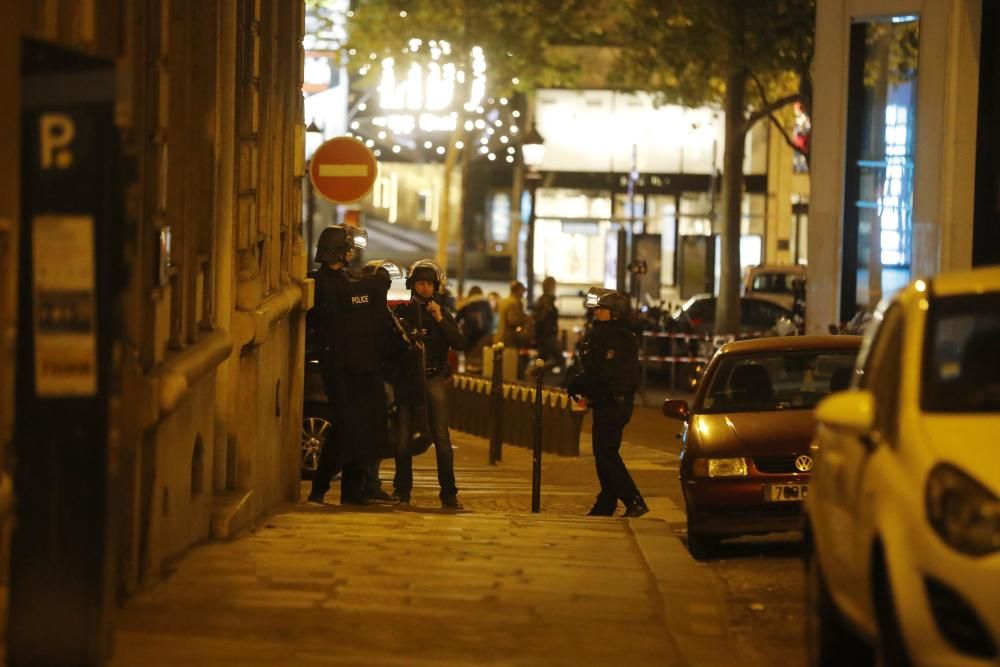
451	503
603	507
635	507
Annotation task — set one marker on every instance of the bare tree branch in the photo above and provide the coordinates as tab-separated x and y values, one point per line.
769	109
760	89
788	139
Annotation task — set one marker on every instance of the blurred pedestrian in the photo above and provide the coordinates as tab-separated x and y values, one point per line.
494	299
515	331
547	326
475	318
511	329
610	360
436	328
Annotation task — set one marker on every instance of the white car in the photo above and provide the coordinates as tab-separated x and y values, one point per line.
774	283
903	517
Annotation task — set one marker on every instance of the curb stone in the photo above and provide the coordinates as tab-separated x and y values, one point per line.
693	605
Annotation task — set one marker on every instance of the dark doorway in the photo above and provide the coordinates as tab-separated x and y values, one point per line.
986	217
697	262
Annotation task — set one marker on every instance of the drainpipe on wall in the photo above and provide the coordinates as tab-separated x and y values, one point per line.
225	156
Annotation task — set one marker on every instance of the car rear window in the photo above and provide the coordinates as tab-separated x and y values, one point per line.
961	370
773	283
781	380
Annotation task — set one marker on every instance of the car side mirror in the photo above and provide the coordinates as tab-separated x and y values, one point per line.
852	410
676	409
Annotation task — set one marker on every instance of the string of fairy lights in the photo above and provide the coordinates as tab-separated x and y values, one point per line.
414	110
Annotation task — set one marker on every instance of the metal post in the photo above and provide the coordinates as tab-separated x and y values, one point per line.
645	363
310	216
673	363
496	406
536	440
529	250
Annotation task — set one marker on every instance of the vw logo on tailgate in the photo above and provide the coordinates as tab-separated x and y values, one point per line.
803	463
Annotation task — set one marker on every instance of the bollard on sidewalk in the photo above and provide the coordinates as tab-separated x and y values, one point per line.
536	440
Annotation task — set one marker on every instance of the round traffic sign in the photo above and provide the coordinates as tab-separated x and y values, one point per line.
342	170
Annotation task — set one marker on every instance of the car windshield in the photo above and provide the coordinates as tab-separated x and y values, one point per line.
962	355
780	380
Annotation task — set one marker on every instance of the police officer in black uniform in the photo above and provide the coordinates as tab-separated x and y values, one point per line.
352	321
610	360
438	331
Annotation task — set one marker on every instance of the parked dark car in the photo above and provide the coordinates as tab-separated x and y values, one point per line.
317	415
697	315
745	457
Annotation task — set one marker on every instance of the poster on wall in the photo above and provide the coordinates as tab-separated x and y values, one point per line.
63	284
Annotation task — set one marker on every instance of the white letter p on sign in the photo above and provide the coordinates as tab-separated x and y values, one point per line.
57	132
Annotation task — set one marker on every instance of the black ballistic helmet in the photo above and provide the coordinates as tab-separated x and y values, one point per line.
336	240
390	269
609	299
427	270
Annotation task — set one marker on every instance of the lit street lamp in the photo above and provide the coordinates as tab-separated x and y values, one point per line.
533	154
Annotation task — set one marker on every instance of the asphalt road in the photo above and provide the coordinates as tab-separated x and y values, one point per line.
762	577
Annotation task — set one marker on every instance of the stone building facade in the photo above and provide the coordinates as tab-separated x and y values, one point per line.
206	411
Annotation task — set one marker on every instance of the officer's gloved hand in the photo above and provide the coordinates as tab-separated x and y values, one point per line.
576	387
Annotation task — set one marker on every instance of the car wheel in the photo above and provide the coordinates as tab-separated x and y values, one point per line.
316	424
700	546
703	547
830	641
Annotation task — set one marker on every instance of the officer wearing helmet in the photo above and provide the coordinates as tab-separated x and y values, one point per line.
352	323
610	360
438	331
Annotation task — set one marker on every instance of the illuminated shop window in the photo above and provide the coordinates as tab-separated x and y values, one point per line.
882	110
895	202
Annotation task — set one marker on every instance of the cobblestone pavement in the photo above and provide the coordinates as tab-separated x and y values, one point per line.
419	585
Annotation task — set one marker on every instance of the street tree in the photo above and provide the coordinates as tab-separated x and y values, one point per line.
750	58
498	48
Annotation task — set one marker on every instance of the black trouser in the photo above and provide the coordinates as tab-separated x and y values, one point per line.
359	429
611	414
550	350
437	416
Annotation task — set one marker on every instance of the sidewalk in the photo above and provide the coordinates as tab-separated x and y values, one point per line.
492	585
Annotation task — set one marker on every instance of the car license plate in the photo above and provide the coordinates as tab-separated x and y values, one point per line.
787	492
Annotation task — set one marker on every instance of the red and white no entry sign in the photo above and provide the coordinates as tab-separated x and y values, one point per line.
342	170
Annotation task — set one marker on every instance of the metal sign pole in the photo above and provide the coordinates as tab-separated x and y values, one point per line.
536	440
496	407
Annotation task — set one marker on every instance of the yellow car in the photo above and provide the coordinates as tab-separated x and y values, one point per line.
903	516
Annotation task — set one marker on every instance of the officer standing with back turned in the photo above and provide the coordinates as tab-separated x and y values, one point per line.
610	359
352	320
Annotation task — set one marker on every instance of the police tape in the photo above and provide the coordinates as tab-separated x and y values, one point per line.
706	337
673	360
